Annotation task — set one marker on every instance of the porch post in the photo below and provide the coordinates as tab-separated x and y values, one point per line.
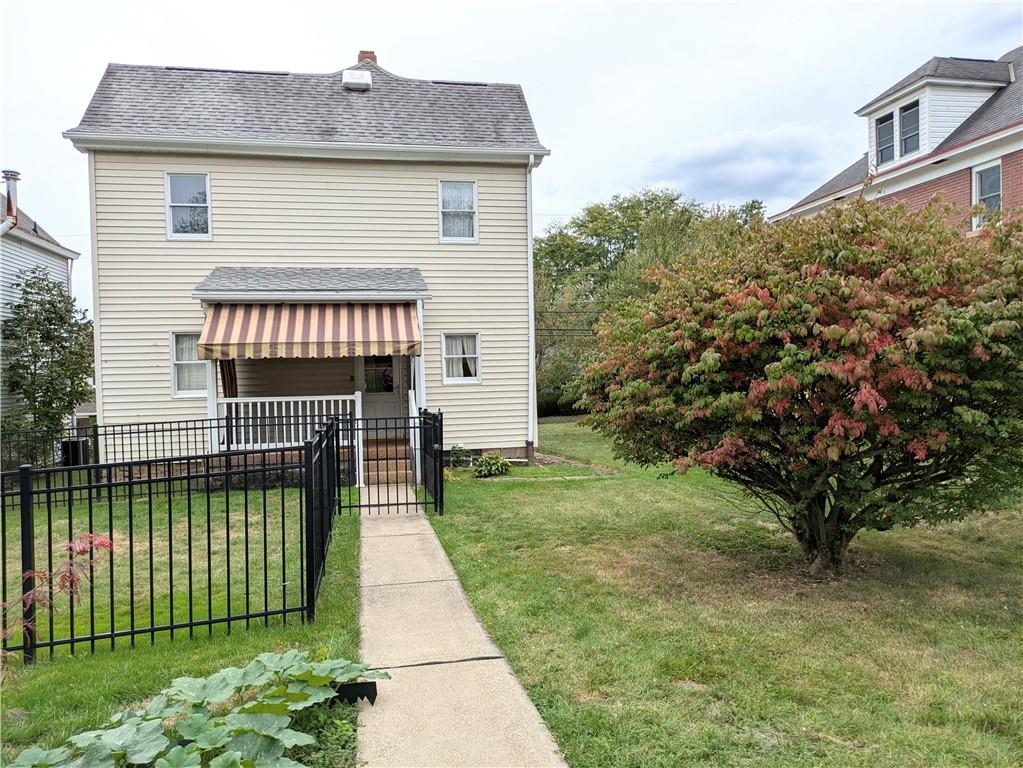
211	402
420	364
360	435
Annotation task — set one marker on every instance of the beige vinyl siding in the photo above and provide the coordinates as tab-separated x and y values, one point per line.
16	255
313	212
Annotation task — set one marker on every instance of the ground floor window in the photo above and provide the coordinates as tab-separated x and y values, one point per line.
461	358
188	372
987	189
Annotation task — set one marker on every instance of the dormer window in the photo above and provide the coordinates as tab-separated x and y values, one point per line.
909	128
885	138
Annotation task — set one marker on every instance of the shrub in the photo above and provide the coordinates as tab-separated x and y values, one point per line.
862	368
491	465
239	716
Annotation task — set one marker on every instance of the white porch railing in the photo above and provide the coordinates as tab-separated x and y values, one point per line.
274	422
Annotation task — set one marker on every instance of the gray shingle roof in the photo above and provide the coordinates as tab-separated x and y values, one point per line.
257	282
949	68
29	226
181	103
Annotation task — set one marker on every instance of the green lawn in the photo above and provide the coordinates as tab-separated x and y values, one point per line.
661	622
46	703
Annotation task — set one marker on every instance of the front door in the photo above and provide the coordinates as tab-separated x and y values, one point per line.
381	398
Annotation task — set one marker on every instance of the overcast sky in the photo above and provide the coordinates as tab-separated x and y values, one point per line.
725	102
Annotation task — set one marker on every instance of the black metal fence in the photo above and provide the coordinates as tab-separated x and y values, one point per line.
202	540
201	543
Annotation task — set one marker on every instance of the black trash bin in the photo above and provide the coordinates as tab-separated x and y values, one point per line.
74	452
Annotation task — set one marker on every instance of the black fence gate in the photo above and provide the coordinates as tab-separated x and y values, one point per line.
392	465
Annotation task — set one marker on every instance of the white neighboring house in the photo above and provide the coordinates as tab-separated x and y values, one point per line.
24	245
275	242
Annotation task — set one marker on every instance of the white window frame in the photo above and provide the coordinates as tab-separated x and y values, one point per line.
978	221
877	138
475	212
171	234
478	378
184	394
919	128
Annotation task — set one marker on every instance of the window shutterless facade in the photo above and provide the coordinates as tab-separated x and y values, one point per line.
461	358
188	372
885	137
909	128
188	206
458	215
987	189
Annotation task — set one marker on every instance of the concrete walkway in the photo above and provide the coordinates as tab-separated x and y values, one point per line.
452	699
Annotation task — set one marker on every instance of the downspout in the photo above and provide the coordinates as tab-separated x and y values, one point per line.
531	429
11	214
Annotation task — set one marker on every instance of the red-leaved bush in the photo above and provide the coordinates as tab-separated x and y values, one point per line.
862	368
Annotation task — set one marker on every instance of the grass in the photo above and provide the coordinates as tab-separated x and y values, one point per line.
657	621
48	702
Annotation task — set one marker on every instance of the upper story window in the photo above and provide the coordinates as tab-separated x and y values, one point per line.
461	353
188	206
987	189
458	212
909	128
188	372
885	130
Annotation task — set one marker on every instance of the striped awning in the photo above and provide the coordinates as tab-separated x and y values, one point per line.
233	331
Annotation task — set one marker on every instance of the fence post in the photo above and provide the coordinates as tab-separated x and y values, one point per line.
438	450
28	564
96	476
310	535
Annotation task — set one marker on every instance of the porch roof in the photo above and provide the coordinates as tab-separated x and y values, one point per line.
307	330
311	284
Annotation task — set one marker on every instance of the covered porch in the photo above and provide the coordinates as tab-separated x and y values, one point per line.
289	347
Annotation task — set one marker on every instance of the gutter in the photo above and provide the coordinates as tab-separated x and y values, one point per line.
84	141
531	420
11	214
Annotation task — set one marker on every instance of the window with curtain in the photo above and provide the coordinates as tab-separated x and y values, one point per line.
188	372
885	132
909	127
458	211
461	358
188	205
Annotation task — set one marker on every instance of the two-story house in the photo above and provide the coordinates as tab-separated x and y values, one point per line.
271	243
952	127
25	245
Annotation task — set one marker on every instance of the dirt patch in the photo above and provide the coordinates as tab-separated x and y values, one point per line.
550	460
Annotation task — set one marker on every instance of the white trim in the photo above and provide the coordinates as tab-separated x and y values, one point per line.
309	297
186	394
531	425
978	221
475	212
168	205
460	380
84	141
869	109
97	349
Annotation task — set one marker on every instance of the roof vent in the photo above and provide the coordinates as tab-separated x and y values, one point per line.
356	80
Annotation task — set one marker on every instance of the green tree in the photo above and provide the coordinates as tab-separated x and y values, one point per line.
860	369
47	343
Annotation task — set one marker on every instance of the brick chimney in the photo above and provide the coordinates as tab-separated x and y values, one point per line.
367	56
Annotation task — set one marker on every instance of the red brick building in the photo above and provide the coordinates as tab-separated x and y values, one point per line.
953	127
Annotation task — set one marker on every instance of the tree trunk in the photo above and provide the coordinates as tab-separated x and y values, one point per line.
824	538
